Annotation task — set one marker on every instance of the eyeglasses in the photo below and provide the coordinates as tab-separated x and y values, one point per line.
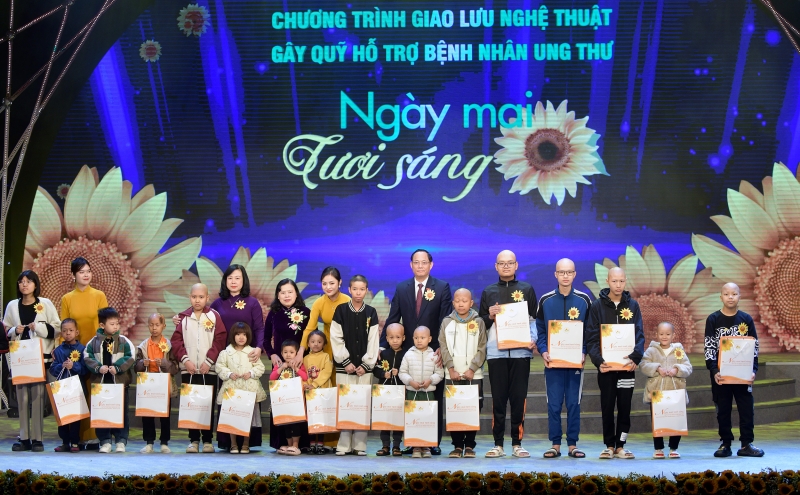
506	264
565	273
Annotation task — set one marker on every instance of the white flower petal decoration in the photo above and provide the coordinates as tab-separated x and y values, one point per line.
550	151
121	239
764	229
150	51
193	19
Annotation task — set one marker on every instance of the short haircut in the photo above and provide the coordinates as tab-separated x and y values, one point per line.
160	318
236	329
290	343
69	320
77	264
105	314
318	333
224	292
671	326
359	278
276	304
430	257
332	271
30	275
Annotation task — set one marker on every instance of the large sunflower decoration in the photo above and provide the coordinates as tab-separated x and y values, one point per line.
682	297
764	229
550	150
121	235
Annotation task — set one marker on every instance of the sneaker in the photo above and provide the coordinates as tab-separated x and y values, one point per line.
147	449
193	448
120	448
723	451
417	453
748	450
208	448
426	452
21	446
38	446
165	449
105	448
234	450
74	448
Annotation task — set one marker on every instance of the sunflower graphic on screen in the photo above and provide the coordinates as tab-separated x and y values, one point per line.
555	327
742	328
343	389
573	313
551	151
410	406
626	314
656	396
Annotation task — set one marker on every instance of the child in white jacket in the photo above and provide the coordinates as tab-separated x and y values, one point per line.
238	373
420	372
666	365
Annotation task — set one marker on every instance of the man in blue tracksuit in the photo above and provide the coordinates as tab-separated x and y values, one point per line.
563	384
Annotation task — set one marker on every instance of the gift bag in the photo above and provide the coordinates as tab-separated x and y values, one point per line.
152	394
387	407
67	399
669	413
462	408
736	359
353	411
321	410
236	414
108	401
194	412
26	361
286	397
421	423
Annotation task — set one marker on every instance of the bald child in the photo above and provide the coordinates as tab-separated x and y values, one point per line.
386	371
199	337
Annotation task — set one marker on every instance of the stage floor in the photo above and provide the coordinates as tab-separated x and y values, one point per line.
779	442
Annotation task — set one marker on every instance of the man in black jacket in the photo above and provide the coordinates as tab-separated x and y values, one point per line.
422	301
615	306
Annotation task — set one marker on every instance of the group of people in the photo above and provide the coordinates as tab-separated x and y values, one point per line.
431	337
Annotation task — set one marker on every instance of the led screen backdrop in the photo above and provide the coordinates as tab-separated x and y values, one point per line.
296	135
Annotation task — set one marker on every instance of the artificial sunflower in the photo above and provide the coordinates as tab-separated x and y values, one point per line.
679	353
39	308
385	366
626	314
550	150
517	296
240	304
742	328
163	346
75	356
429	294
472	327
573	313
121	235
287	374
208	324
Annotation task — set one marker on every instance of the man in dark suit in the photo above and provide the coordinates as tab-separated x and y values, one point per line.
422	301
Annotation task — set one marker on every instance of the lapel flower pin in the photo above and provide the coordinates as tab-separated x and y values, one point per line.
517	296
429	294
573	313
240	304
626	314
39	308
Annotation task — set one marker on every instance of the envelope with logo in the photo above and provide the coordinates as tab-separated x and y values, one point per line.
387	407
286	397
194	412
67	399
152	394
422	427
321	410
616	342
462	408
236	412
565	343
107	405
736	359
353	412
669	413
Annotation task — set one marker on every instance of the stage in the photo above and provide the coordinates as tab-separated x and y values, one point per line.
779	442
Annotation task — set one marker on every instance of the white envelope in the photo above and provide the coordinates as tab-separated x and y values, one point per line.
513	326
565	343
422	428
353	411
67	399
26	361
286	397
616	342
152	394
462	408
669	413
321	410
194	412
736	359
387	407
107	405
236	413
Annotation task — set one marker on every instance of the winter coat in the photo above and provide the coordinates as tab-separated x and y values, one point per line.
461	348
122	352
232	361
168	365
194	341
420	366
604	311
674	357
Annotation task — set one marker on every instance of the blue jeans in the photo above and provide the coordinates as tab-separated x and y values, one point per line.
563	385
106	435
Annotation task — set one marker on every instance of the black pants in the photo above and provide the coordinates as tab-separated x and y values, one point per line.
509	380
397	437
197	379
723	400
616	389
149	430
293	429
70	434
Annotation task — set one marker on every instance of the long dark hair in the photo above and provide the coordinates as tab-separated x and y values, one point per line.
30	275
276	305
224	292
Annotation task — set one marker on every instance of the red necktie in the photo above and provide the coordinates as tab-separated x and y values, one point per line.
419	299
